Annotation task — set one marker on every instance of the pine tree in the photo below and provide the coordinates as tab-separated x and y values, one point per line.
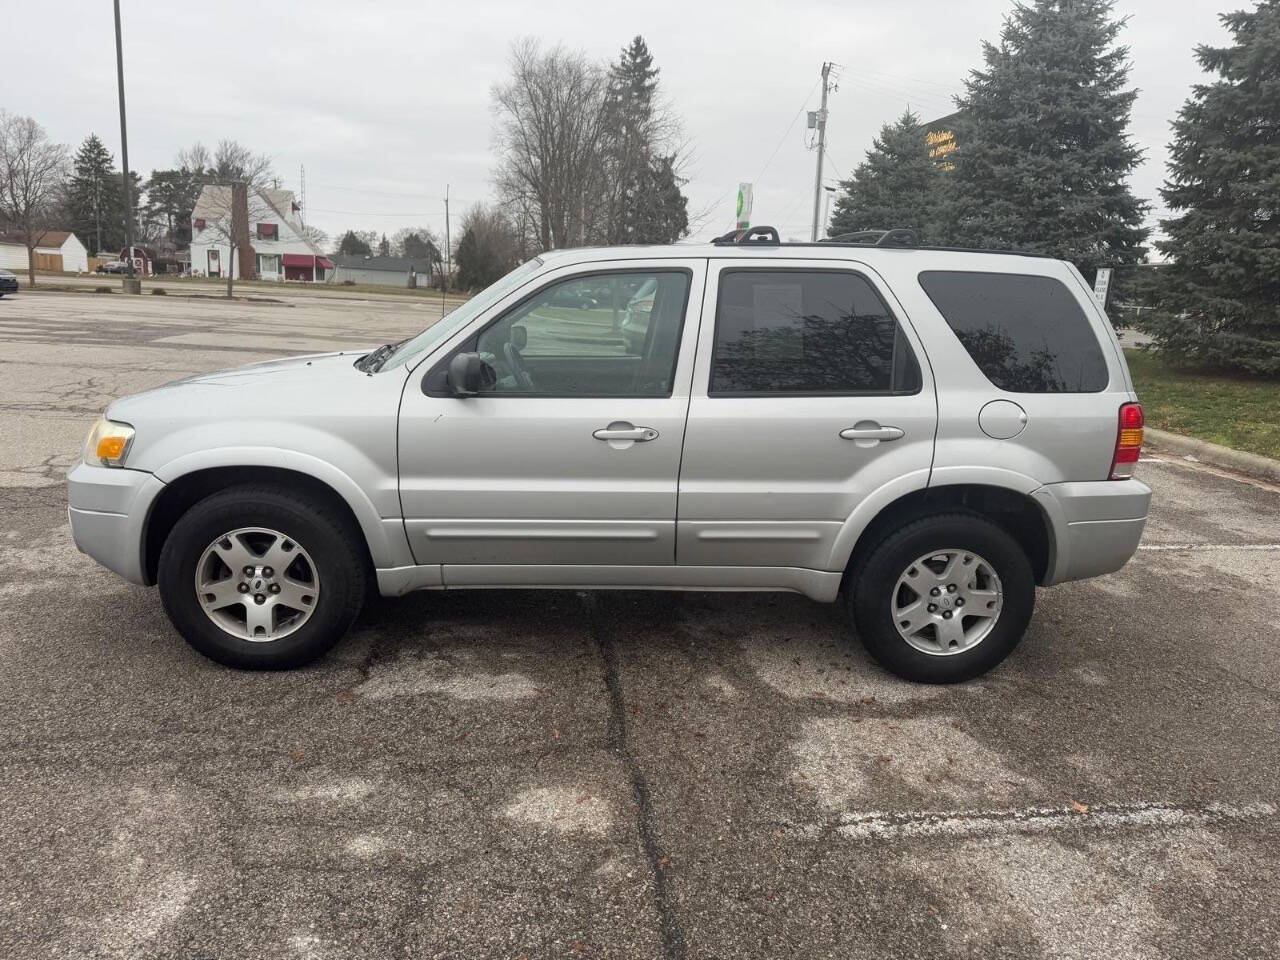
94	201
645	201
898	185
1221	306
1042	157
171	196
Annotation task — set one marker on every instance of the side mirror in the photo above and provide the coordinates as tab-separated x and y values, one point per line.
469	374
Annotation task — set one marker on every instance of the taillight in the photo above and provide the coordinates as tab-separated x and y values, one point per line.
1128	441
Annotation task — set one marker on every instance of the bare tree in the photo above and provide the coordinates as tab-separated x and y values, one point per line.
235	193
551	118
488	247
33	171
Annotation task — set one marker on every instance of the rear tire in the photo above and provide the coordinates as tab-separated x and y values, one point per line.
879	585
323	576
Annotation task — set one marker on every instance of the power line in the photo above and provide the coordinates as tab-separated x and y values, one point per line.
786	133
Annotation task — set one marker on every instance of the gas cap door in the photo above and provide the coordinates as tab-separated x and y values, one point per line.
1002	419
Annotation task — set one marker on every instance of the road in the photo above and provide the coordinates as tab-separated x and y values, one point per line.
519	774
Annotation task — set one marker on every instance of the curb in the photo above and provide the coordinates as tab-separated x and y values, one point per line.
1214	454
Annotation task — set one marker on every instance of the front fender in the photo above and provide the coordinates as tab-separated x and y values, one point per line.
388	546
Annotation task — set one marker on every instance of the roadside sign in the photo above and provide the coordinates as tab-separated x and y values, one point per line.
1101	286
744	206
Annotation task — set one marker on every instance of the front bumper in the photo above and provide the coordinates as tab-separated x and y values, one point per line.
108	509
1096	526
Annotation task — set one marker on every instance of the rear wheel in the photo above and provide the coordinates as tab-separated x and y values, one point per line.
943	599
262	578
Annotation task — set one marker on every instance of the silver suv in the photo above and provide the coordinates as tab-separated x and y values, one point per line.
922	434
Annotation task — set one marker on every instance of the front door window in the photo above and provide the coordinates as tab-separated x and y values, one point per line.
604	335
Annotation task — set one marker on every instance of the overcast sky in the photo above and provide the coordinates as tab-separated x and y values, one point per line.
386	102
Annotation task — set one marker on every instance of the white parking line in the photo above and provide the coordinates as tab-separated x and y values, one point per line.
1209	546
883	825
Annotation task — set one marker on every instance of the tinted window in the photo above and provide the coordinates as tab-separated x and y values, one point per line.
807	331
601	335
1027	334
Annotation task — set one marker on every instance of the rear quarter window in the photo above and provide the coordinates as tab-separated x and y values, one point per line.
1027	334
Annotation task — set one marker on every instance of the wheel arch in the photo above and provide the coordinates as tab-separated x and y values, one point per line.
1014	508
383	541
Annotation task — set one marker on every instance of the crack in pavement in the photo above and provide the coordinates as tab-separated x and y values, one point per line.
673	941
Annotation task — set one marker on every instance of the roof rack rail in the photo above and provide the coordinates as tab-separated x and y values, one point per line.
896	237
750	235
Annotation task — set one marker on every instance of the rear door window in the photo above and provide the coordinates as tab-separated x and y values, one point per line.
1027	334
806	332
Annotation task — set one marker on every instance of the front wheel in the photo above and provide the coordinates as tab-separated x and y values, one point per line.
262	578
943	599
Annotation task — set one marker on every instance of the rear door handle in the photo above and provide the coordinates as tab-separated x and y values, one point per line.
625	431
872	433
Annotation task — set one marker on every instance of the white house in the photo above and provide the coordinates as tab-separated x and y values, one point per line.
384	271
274	234
56	250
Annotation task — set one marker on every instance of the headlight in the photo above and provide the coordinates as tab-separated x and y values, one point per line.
108	443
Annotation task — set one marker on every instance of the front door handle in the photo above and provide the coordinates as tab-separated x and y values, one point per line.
872	431
621	430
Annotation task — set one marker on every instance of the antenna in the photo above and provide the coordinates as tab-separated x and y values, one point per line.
302	201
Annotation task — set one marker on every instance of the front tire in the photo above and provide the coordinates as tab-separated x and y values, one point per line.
262	578
943	599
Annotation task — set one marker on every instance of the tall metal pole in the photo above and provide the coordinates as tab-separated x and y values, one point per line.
124	158
822	144
448	250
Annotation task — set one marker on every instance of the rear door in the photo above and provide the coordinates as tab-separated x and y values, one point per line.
809	394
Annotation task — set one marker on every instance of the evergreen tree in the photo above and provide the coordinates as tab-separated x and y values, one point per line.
898	185
384	247
354	244
645	202
1042	157
171	196
1221	305
94	200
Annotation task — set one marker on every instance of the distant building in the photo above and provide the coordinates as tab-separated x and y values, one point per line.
56	251
385	271
271	244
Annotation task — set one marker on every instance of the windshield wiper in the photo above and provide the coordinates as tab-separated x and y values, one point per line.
374	361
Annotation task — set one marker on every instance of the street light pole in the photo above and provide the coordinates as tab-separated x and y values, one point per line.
130	285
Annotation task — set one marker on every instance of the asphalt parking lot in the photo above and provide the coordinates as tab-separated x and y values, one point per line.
517	774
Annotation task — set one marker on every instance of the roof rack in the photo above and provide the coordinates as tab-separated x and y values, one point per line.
896	237
751	235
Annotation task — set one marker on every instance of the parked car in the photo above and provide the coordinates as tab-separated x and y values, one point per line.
8	283
922	435
580	298
635	321
113	266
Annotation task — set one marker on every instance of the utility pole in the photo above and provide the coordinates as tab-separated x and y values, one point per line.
819	120
130	284
448	251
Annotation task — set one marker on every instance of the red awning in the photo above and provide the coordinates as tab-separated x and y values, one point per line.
307	260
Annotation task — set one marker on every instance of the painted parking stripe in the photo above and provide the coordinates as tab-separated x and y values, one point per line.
883	825
1209	546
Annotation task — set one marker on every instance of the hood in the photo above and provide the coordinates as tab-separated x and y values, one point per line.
313	377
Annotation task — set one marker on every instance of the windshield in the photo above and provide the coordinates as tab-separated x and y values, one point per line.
410	350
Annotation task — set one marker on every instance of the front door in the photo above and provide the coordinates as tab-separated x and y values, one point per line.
810	395
572	456
214	264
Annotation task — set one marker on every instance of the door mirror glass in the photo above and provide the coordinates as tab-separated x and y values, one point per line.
469	375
